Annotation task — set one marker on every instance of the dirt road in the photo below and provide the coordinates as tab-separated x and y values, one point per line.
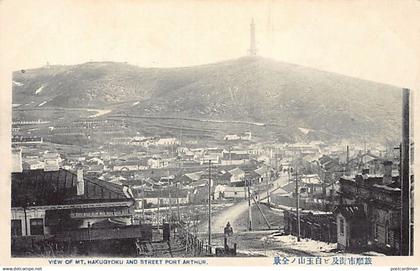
233	213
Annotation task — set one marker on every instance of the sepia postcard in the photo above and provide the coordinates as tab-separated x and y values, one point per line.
140	134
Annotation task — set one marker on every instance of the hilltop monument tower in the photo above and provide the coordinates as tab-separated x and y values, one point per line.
252	47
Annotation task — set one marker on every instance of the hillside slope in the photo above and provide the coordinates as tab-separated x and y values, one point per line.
245	89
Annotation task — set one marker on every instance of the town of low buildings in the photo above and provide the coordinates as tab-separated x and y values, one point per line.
347	195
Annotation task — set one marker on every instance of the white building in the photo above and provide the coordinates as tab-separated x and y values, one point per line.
167	141
17	160
51	161
158	162
234	192
231	137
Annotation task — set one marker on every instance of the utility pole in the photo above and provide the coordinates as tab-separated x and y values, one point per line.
249	206
262	213
180	137
209	206
177	202
170	198
230	156
297	206
142	201
26	215
399	148
405	175
268	187
158	210
276	163
347	160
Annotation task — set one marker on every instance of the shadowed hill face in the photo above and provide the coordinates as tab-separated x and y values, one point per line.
249	89
85	85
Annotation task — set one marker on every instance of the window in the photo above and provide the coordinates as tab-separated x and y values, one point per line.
16	227
341	226
37	226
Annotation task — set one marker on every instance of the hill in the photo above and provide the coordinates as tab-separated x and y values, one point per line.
301	101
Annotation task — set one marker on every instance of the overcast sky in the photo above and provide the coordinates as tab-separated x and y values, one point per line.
376	40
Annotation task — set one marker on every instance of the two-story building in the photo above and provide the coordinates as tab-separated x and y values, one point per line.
68	209
368	216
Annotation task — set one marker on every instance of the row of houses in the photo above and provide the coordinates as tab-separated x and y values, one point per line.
192	187
366	214
217	156
145	142
29	122
246	136
27	140
142	160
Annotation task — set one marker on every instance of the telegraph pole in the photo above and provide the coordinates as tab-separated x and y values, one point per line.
268	180
177	202
169	202
170	198
249	206
347	160
142	201
209	206
405	175
158	210
297	206
276	162
230	155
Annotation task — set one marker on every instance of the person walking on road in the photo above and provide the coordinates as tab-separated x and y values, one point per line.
228	229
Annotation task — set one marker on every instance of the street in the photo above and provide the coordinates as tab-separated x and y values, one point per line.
235	212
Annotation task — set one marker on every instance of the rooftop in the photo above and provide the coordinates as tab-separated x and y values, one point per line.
39	188
352	212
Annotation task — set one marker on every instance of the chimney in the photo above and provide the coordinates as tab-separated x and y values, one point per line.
387	179
17	160
80	183
365	173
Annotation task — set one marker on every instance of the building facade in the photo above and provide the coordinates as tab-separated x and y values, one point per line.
53	208
369	214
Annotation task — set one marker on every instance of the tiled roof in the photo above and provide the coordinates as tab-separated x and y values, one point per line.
236	171
195	176
373	181
289	187
351	212
163	193
311	179
39	187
